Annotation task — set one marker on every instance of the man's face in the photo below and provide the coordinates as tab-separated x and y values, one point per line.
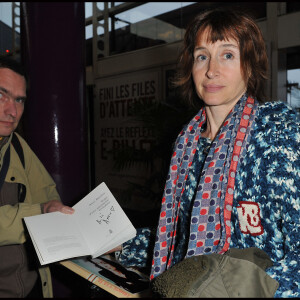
12	98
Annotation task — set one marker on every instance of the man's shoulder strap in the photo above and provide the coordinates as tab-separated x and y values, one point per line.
17	145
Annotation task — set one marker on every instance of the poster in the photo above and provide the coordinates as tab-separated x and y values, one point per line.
115	128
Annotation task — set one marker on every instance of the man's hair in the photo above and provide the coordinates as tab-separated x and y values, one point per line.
9	63
223	24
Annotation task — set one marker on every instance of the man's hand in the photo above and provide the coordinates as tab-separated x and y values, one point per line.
55	205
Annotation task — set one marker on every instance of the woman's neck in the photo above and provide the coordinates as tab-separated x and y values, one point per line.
213	123
215	116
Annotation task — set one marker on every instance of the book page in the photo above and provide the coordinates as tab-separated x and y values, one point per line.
119	239
56	237
102	221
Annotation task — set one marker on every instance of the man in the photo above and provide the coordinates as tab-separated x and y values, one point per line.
26	190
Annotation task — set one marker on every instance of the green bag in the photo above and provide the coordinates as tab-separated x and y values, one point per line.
237	273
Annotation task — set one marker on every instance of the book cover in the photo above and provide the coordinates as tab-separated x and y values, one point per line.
107	273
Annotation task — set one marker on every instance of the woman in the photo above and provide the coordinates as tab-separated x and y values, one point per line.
234	175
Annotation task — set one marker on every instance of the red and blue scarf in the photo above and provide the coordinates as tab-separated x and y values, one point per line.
212	194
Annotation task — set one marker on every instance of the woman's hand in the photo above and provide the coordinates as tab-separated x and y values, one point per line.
119	248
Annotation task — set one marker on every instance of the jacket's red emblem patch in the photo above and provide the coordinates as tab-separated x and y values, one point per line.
249	217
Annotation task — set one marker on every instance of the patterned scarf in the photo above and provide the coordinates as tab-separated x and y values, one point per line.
212	193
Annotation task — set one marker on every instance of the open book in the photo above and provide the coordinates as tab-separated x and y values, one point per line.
98	225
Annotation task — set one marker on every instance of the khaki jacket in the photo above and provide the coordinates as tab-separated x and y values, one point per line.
40	188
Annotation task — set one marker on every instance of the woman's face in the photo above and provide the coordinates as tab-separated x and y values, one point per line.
217	72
